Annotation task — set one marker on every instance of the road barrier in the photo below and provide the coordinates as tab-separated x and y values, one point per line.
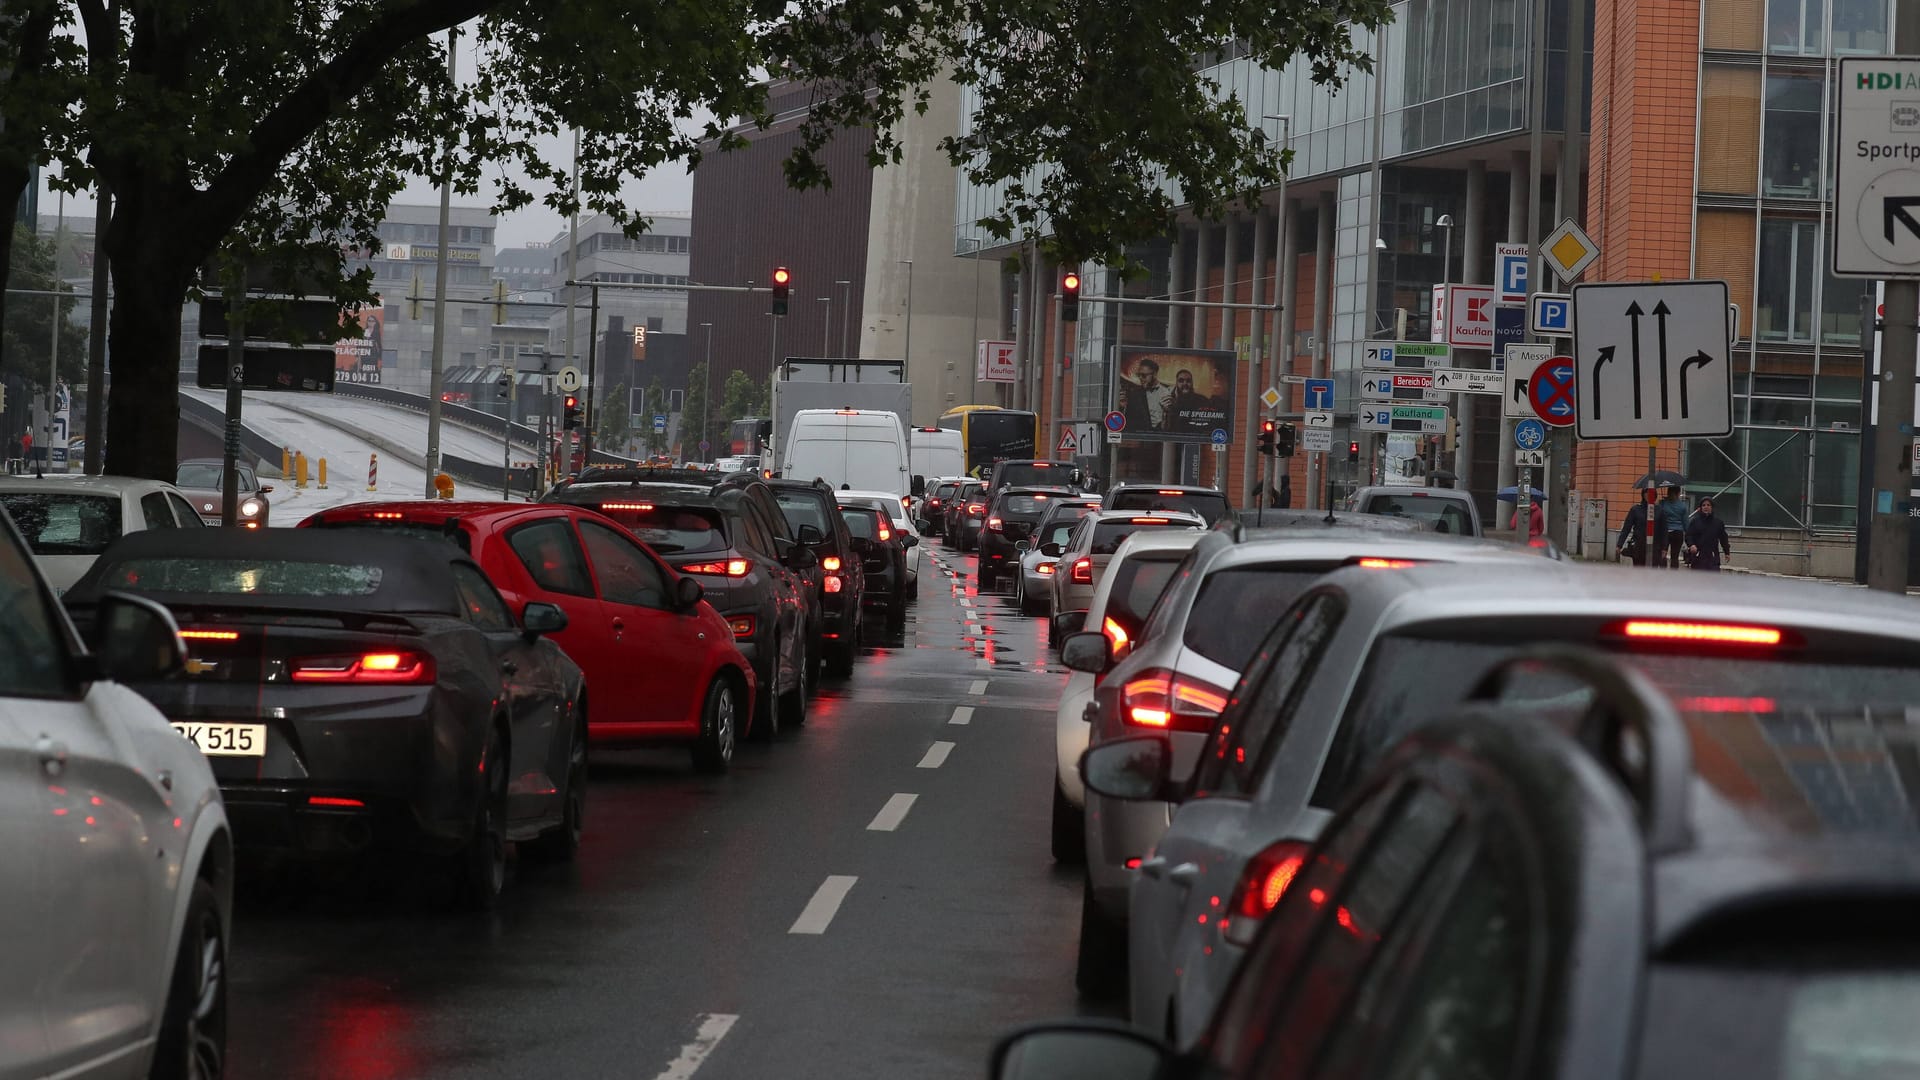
373	472
323	474
299	468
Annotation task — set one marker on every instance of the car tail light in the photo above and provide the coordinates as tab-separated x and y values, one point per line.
1171	491
1150	521
249	524
1261	885
1385	564
210	635
334	802
831	583
1082	571
404	667
726	568
1704	633
1117	638
387	515
976	509
626	506
830	563
741	625
996	524
1169	701
1045	569
885	533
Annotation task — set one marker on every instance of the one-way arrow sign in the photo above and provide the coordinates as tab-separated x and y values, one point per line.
1522	360
1898	209
1652	360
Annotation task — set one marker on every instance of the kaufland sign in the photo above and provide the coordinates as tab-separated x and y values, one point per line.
1464	315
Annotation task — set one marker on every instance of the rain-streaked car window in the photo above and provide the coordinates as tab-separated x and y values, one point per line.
671	530
1409	680
1137	585
1108	535
32	656
803	510
62	524
1035	475
247	577
1450	513
1232	600
863	522
1026	506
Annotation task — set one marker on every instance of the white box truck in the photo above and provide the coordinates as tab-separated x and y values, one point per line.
867	385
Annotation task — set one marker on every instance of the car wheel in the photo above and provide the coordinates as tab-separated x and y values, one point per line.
1100	971
719	727
840	655
562	842
1069	830
985	575
793	704
1029	603
483	861
193	1030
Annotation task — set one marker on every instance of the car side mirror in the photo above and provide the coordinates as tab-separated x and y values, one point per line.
860	545
1022	546
1053	551
1086	651
540	618
800	557
1133	770
810	534
687	592
918	487
266	489
912	540
137	639
1086	1048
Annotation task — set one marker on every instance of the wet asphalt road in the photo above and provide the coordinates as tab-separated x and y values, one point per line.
698	935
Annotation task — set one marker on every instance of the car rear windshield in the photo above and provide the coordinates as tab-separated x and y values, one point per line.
1411	679
1232	600
1036	475
1775	1013
671	530
1440	514
1060	525
1211	508
803	509
1107	535
59	524
862	522
941	491
1028	507
418	530
246	577
1136	586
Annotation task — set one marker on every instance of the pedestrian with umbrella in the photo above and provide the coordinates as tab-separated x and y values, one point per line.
1707	538
1536	516
1633	533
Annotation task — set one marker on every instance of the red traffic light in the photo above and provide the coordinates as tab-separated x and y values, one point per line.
1266	426
780	275
1071	283
572	402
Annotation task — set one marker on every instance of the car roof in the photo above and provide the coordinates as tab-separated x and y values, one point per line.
1415	492
440	510
671	494
1337	543
850	493
212	461
1183	489
1275	521
1128	515
92	485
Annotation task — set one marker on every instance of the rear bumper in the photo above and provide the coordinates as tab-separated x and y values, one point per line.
282	821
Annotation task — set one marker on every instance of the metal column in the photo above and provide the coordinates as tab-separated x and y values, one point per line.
1249	418
1517	173
1229	321
1322	318
1473	258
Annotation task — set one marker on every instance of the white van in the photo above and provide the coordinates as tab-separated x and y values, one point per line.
935	452
862	449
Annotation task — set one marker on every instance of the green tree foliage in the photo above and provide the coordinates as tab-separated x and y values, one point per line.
27	333
286	126
656	405
743	396
696	421
612	427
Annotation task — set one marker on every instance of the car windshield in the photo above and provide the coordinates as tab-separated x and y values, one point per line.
670	530
1778	1011
1108	535
63	524
203	476
246	577
802	509
1039	474
1210	507
1232	600
1440	514
1413	677
1136	585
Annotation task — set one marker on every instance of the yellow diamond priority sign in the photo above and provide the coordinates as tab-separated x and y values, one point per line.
1569	251
1271	399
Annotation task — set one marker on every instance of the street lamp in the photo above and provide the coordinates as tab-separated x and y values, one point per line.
846	313
706	396
826	329
1446	259
908	358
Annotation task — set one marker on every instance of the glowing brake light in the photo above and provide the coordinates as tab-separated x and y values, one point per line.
996	524
626	506
728	568
976	509
831	562
1386	564
210	635
1159	698
1150	521
1714	633
387	515
1170	491
831	583
1116	635
373	667
1261	887
1082	571
1045	569
885	533
334	802
741	625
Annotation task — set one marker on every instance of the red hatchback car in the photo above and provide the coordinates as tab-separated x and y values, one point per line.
660	663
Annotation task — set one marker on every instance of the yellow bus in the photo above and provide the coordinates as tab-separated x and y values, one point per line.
990	434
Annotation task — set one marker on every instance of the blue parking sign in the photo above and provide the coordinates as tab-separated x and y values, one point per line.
1551	315
1511	273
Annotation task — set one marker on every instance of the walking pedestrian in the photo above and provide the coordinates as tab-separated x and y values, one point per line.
1673	526
1707	538
1536	521
1633	534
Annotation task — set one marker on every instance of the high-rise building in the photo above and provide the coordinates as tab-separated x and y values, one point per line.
410	246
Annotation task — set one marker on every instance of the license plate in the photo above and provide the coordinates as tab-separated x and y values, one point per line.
226	740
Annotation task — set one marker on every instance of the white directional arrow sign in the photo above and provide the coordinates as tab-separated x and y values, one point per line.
1465	381
1876	202
1652	360
1425	419
1319	418
1521	362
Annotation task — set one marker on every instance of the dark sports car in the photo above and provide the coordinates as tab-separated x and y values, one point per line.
365	693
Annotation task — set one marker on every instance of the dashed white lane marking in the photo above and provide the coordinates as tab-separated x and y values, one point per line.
979	687
962	714
964	602
713	1028
983	666
889	817
936	756
825	903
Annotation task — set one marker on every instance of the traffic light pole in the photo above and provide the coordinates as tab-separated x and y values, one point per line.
506	461
593	387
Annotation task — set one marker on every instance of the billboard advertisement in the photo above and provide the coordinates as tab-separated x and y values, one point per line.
356	359
993	362
1175	395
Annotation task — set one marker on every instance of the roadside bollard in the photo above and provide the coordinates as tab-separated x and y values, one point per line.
323	473
373	472
299	469
286	463
443	485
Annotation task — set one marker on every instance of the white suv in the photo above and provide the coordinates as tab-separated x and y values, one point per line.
116	900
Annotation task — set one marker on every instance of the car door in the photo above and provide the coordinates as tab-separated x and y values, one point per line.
552	561
183	513
104	895
533	693
653	640
783	588
24	828
155	513
1206	846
